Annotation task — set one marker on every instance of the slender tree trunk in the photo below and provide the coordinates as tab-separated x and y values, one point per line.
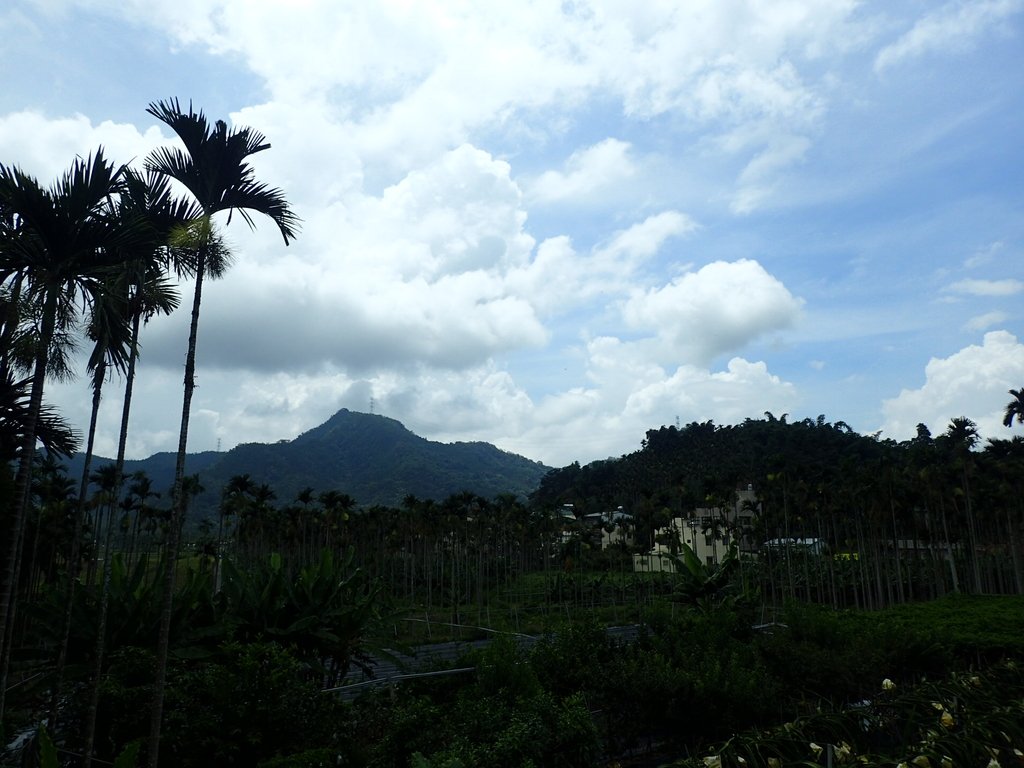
949	549
933	553
23	489
174	530
1018	577
101	634
788	547
220	551
7	639
83	489
122	439
900	595
972	533
101	644
35	577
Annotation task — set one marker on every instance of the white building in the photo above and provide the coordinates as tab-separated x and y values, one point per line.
708	531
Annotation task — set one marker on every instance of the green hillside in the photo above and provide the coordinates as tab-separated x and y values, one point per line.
374	459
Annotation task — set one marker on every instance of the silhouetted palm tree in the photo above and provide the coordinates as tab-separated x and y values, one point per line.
1014	408
148	291
55	246
214	168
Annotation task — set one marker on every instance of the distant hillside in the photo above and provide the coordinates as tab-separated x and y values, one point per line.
680	468
374	459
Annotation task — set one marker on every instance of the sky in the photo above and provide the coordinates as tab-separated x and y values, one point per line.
553	226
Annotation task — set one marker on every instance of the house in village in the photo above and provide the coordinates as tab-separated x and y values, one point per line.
708	531
616	528
607	529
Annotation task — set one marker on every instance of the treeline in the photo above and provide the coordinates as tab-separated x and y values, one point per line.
901	520
896	522
443	554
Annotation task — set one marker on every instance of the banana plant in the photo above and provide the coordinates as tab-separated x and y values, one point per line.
324	613
704	586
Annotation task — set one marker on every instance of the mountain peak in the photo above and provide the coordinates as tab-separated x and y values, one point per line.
373	458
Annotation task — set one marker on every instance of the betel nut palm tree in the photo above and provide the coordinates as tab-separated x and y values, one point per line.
55	245
213	166
107	329
147	291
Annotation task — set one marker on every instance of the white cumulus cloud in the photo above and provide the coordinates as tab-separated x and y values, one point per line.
715	310
46	147
972	382
587	173
559	278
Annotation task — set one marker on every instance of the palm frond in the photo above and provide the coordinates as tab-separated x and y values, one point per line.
109	328
191	127
199	236
1015	408
59	356
269	201
213	167
87	186
155	295
51	429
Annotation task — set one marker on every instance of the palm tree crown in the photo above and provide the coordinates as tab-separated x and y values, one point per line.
213	167
1014	408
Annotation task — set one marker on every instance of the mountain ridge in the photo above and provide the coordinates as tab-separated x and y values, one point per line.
373	458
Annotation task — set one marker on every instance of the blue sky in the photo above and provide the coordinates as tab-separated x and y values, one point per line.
553	226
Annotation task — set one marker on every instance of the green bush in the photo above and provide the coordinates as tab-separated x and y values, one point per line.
391	726
249	702
256	703
573	659
968	719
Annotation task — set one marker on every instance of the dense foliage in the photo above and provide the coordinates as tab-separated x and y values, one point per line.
919	518
687	684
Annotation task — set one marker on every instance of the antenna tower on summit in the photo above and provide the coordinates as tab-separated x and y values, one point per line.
371	406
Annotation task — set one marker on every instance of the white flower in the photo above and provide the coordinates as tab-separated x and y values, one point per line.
888	685
713	761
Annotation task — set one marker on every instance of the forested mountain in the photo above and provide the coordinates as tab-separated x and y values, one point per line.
680	468
372	458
